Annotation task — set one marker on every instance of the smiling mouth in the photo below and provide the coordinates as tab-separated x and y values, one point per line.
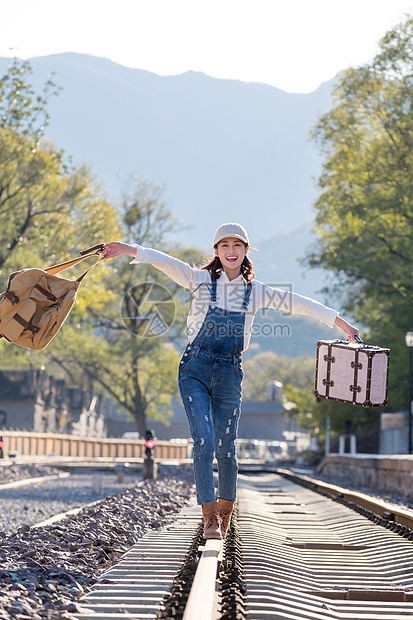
232	259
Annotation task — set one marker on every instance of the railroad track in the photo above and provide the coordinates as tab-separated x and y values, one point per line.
308	557
291	554
381	512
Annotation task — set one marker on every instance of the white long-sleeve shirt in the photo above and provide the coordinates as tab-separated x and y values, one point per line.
230	294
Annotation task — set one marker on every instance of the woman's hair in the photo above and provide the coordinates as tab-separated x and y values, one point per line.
215	267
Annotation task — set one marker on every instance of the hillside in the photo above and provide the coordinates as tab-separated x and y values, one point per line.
225	150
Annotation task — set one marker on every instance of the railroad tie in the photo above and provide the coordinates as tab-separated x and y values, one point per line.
307	557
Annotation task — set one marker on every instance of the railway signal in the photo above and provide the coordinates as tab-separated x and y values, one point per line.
149	469
149	444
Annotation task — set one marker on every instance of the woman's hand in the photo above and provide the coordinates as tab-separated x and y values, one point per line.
350	330
116	248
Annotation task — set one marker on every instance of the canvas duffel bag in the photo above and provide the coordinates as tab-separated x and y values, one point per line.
353	373
36	302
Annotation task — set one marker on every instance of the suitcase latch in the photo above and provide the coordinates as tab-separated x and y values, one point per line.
329	383
329	358
355	388
357	365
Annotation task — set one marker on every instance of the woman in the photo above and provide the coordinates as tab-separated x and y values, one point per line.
225	299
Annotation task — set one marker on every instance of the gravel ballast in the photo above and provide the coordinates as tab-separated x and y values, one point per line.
14	471
45	570
27	505
393	498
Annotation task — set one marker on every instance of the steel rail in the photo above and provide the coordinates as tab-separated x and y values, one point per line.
202	600
377	506
14	484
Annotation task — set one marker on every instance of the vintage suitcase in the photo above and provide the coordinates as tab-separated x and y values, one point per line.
352	373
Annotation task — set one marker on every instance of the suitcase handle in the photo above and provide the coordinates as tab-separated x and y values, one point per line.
365	347
356	338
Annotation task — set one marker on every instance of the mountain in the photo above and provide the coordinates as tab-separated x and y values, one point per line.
224	149
276	261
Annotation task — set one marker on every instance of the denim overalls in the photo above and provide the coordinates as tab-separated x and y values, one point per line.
210	376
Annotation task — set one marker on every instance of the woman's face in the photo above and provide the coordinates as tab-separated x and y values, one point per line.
231	252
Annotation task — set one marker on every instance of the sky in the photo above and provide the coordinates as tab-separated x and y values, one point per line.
294	45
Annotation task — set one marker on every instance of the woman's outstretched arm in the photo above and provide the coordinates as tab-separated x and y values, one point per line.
289	302
180	272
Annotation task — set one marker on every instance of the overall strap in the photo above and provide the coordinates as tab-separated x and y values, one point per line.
247	296
213	291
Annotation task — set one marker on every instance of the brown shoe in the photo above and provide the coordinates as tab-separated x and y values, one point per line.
212	528
225	511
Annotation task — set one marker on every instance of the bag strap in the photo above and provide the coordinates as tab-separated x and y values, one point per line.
93	251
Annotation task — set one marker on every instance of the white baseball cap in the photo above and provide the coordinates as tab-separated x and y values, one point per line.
231	230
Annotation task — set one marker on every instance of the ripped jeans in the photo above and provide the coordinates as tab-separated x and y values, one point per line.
210	387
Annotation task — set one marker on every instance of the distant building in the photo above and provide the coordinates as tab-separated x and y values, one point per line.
32	400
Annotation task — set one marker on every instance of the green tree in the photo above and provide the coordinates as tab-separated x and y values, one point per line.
364	213
48	210
108	347
312	413
22	110
84	218
266	367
